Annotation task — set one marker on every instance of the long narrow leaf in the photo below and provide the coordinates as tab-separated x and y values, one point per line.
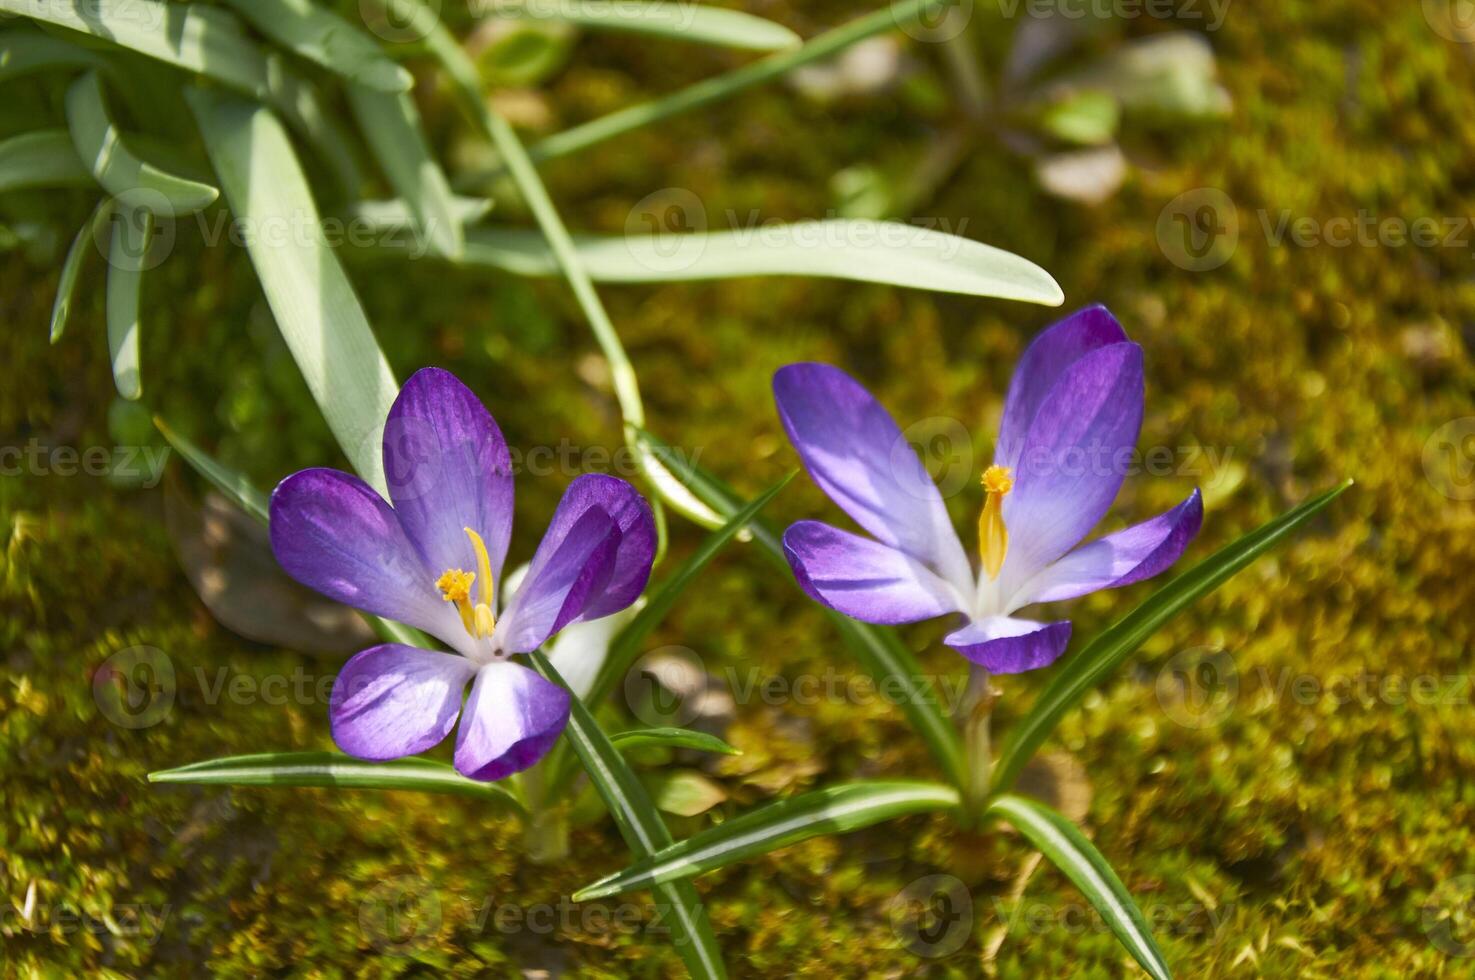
391	124
1078	674
24	50
673	738
133	231
71	267
626	647
45	158
335	771
865	251
316	309
308	30
641	826
879	650
129	178
675	21
832	810
1068	849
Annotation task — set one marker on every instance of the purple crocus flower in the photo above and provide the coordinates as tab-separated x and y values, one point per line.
433	559
1070	427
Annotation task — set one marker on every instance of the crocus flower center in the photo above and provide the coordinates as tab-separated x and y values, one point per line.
993	536
455	586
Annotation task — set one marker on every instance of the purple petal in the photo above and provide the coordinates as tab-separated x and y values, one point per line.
1056	348
391	701
1130	555
631	514
572	565
513	717
1076	455
860	459
448	469
864	579
1004	645
333	533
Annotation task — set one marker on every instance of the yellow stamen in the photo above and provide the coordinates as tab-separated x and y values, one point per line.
455	585
993	536
483	567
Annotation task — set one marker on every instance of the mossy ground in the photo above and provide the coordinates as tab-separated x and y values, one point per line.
1293	833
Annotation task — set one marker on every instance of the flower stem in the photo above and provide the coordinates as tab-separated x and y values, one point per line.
977	744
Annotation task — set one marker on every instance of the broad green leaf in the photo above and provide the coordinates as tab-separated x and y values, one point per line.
879	650
886	252
193	36
684	792
676	21
832	810
626	647
674	738
1068	849
316	309
312	32
24	50
133	181
391	124
641	826
133	232
891	16
71	267
333	770
45	158
1081	672
244	494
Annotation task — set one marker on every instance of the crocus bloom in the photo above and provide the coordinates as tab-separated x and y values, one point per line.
433	559
1070	427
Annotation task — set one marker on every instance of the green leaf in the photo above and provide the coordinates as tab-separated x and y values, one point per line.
684	792
1081	672
675	738
641	826
314	304
334	770
133	232
678	21
886	252
24	50
832	810
626	648
879	650
71	267
195	37
391	124
1068	849
309	31
45	158
133	181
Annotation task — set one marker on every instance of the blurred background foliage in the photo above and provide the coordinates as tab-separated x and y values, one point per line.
1280	835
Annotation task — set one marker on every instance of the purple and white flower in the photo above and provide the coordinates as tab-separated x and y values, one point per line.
432	557
1070	427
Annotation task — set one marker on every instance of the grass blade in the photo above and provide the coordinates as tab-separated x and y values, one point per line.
333	770
626	647
1078	674
23	51
391	124
675	21
133	231
641	826
71	267
314	304
45	158
832	810
674	738
318	35
880	652
866	251
1068	849
133	181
